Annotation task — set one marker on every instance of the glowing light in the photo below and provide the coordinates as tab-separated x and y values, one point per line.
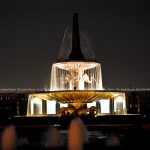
76	75
105	106
120	104
36	106
51	107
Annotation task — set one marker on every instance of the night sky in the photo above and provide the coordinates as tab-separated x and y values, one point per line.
31	33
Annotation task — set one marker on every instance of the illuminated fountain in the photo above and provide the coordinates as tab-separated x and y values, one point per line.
74	69
75	78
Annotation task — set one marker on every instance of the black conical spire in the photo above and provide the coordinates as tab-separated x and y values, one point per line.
76	53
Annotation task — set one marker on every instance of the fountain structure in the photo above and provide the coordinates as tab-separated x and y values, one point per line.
76	80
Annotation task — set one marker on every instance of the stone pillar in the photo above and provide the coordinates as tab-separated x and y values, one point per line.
98	106
57	107
44	108
111	106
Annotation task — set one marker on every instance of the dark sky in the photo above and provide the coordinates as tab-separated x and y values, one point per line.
31	33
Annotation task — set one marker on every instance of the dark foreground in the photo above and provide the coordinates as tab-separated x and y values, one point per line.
133	131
